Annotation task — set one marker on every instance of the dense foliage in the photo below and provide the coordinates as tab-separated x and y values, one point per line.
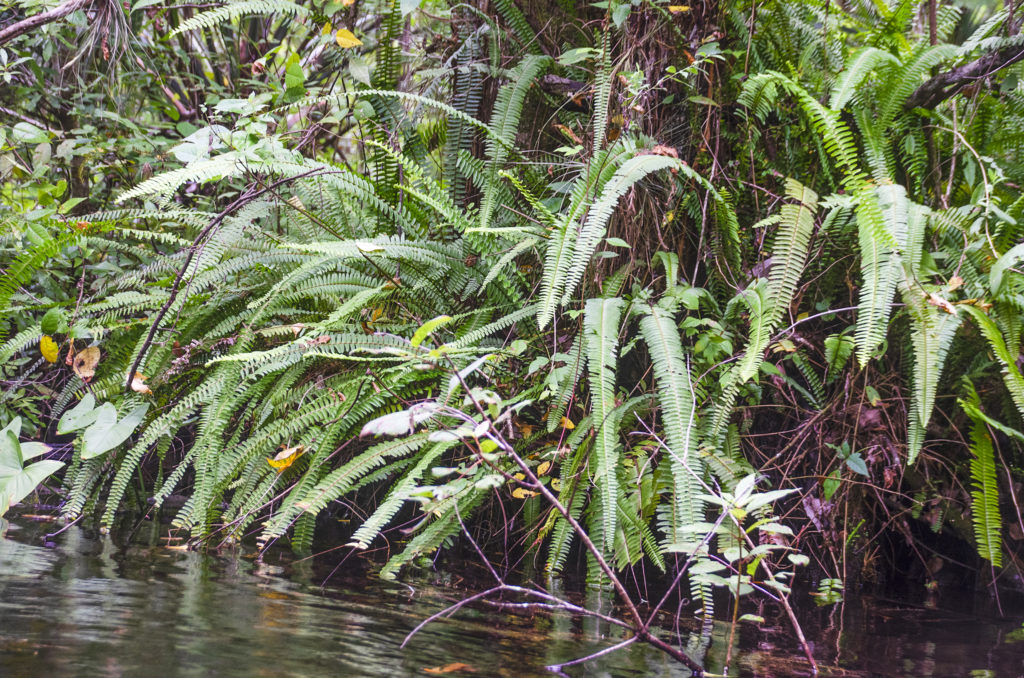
515	269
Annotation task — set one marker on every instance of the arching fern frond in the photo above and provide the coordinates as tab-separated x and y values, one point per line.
239	8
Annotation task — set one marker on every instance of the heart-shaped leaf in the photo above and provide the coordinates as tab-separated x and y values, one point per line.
32	450
10	454
107	432
18	486
81	415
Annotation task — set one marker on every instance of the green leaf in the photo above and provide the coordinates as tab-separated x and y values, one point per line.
702	100
81	415
10	453
838	349
985	512
995	275
620	14
107	432
429	327
294	76
13	427
831	484
26	132
857	464
142	4
31	450
22	484
574	56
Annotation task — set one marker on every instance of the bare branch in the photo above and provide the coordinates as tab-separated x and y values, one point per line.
944	85
36	20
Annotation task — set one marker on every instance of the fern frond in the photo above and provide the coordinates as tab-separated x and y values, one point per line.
601	325
859	67
508	108
988	523
236	9
1011	374
882	228
399	494
678	413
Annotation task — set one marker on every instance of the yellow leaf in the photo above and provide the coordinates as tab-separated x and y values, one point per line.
543	468
139	385
523	493
346	39
784	345
48	347
678	9
567	424
556	484
286	457
85	362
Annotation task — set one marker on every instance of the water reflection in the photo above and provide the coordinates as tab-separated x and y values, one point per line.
93	606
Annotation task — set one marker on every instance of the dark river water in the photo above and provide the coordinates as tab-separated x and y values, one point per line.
90	605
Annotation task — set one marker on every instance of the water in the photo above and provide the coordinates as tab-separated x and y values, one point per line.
91	605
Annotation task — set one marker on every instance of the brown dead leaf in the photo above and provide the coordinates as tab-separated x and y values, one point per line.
571	135
139	385
316	341
936	300
85	363
450	668
667	151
